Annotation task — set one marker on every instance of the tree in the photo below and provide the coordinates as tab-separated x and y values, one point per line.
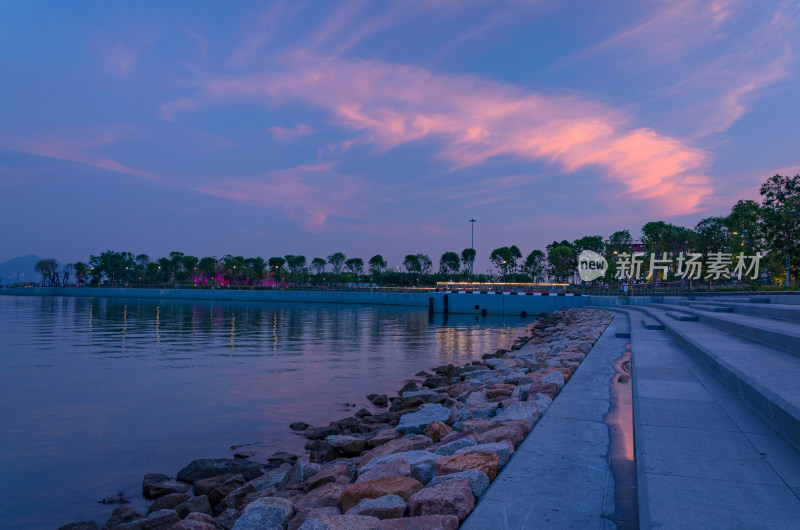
255	269
377	264
781	209
535	265
412	264
337	260
69	268
355	266
276	265
117	267
318	265
233	268
468	259
80	271
713	235
515	255
176	264
46	267
746	225
208	267
503	259
593	243
296	264
449	263
425	263
561	260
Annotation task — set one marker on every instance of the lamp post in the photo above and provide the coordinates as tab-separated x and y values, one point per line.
472	243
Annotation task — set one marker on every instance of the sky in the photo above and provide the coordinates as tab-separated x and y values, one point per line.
273	128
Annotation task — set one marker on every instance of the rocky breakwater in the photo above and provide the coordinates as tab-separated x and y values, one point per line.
423	463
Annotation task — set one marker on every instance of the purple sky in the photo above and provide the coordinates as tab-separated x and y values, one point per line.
383	127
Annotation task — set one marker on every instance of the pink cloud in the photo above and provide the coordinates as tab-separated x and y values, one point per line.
309	194
474	120
282	133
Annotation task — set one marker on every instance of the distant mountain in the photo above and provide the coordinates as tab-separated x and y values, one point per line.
24	266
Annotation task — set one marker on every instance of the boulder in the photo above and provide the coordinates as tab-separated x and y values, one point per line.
423	522
168	502
477	398
337	474
207	485
480	461
456	435
266	512
207	468
515	432
372	489
194	505
399	467
299	426
554	377
399	445
322	497
310	513
386	507
422	464
340	522
451	497
379	400
524	411
156	485
322	452
297	475
121	514
383	436
347	445
415	422
503	449
190	524
225	489
478	481
160	520
437	430
477	425
541	387
452	447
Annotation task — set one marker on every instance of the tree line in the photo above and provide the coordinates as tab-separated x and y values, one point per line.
770	228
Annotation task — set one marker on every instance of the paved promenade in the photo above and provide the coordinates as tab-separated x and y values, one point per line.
716	422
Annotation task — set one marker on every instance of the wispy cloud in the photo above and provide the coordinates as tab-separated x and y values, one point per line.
474	120
119	58
282	133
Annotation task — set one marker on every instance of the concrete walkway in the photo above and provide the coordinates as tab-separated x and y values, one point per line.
561	476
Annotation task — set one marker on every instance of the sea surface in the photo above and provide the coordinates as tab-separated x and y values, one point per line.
96	392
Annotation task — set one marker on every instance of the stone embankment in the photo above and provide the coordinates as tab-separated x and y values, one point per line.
423	463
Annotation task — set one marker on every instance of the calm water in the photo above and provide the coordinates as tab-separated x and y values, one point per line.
97	392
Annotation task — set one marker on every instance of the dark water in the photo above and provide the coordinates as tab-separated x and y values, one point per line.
95	393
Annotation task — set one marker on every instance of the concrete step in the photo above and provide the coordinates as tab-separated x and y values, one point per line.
683	317
651	323
759	300
712	308
775	333
701	456
763	377
787	312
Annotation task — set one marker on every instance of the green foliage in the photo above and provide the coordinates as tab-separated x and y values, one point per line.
468	259
535	265
561	259
377	264
318	265
449	263
337	260
355	266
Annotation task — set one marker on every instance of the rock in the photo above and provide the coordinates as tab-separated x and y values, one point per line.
207	468
542	401
310	513
478	481
160	520
168	502
408	387
437	430
554	377
415	422
321	497
455	463
422	464
362	413
121	514
524	411
319	433
322	451
477	398
540	387
456	435
452	447
207	485
277	478
399	445
399	467
226	488
338	474
297	475
261	518
383	436
418	441
340	522
477	425
299	426
372	489
227	518
347	445
451	497
189	524
421	393
503	450
91	525
423	522
194	505
493	393
406	403
386	507
515	432
345	425
379	400
156	485
282	457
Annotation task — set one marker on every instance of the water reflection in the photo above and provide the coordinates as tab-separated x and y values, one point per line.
98	392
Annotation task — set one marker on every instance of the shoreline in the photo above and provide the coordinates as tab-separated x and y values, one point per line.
424	460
